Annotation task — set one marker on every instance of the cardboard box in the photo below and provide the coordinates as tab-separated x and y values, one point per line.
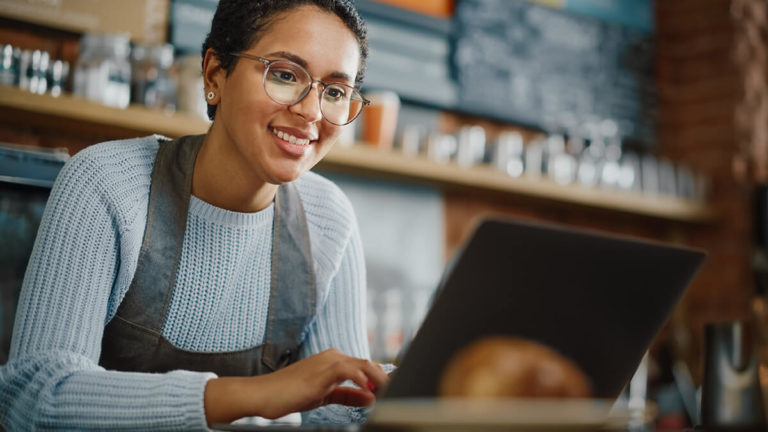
437	8
145	20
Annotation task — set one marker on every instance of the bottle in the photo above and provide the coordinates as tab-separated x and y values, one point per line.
116	61
57	77
165	85
667	178
151	83
38	73
591	162
649	175
534	158
411	139
441	147
86	63
731	397
471	146
25	69
103	70
190	95
611	170
7	66
392	321
143	71
560	165
629	172
508	154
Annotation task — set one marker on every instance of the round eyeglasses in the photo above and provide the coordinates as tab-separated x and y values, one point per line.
287	83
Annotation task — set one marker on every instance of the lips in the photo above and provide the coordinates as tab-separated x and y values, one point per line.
290	138
294	144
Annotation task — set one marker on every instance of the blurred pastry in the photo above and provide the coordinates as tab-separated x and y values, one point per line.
499	367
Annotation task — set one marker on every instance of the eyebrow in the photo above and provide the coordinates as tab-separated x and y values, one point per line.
303	63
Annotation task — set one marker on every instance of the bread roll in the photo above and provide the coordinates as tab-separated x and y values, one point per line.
501	367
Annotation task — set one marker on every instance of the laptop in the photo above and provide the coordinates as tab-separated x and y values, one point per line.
597	299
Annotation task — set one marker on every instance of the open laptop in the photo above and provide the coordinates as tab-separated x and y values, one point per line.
597	299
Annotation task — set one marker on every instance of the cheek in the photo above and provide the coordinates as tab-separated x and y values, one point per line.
330	133
248	102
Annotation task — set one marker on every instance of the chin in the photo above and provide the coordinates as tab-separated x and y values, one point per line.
286	176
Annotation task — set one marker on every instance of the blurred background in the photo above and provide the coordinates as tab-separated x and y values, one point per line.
639	117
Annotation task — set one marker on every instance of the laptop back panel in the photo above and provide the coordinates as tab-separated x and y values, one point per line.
597	299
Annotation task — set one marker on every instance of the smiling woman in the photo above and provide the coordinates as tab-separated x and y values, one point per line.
213	277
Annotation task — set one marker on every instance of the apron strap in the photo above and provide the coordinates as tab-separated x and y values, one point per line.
146	303
293	292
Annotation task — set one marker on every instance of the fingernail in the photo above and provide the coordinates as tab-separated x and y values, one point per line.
371	387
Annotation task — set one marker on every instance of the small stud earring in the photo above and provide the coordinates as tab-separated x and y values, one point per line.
211	95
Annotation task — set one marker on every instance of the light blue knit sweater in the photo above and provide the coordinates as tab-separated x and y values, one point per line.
83	262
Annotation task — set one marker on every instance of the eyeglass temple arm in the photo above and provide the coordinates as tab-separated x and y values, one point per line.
248	56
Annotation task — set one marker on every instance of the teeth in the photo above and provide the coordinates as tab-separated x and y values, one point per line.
290	138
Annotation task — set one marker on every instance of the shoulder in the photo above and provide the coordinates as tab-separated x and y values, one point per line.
117	173
118	153
112	159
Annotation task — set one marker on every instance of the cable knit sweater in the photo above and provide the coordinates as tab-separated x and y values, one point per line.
83	261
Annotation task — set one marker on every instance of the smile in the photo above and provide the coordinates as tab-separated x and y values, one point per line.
290	138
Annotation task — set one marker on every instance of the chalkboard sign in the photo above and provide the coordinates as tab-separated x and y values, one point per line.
539	66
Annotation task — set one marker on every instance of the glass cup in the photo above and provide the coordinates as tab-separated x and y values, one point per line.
380	119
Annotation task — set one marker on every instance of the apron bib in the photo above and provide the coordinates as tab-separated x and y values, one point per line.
133	339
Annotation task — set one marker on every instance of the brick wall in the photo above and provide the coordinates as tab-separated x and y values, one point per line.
699	87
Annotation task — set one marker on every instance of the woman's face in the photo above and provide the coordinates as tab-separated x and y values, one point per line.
251	121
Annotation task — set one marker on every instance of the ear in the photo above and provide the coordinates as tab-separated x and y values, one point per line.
214	76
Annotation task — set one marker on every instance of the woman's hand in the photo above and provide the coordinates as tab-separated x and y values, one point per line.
302	386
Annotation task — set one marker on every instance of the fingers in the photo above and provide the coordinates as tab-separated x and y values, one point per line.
350	396
364	373
376	375
361	379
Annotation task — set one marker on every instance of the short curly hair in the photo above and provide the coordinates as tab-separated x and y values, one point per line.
238	24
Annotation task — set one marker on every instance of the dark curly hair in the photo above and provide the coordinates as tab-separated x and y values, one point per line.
238	24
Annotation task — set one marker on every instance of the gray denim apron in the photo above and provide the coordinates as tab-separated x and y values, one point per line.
133	339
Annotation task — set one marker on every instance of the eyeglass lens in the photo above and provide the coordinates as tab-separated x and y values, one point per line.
287	83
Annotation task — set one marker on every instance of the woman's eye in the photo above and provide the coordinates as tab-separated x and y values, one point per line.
284	76
335	93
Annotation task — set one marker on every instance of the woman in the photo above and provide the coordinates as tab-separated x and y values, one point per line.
174	285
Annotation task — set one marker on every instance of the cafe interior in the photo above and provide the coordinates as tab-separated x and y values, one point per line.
635	119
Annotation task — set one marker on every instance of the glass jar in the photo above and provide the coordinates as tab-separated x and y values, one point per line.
142	71
191	93
103	70
8	65
151	83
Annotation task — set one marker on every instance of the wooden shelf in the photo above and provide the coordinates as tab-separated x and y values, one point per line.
362	159
24	107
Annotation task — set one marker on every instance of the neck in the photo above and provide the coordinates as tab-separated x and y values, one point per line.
220	180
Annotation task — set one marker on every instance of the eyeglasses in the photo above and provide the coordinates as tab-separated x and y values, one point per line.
287	83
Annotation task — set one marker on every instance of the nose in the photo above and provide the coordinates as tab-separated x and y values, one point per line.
309	107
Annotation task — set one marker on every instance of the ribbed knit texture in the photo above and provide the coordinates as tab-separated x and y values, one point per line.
83	262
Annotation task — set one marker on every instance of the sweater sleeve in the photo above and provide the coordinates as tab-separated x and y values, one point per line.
52	379
341	324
